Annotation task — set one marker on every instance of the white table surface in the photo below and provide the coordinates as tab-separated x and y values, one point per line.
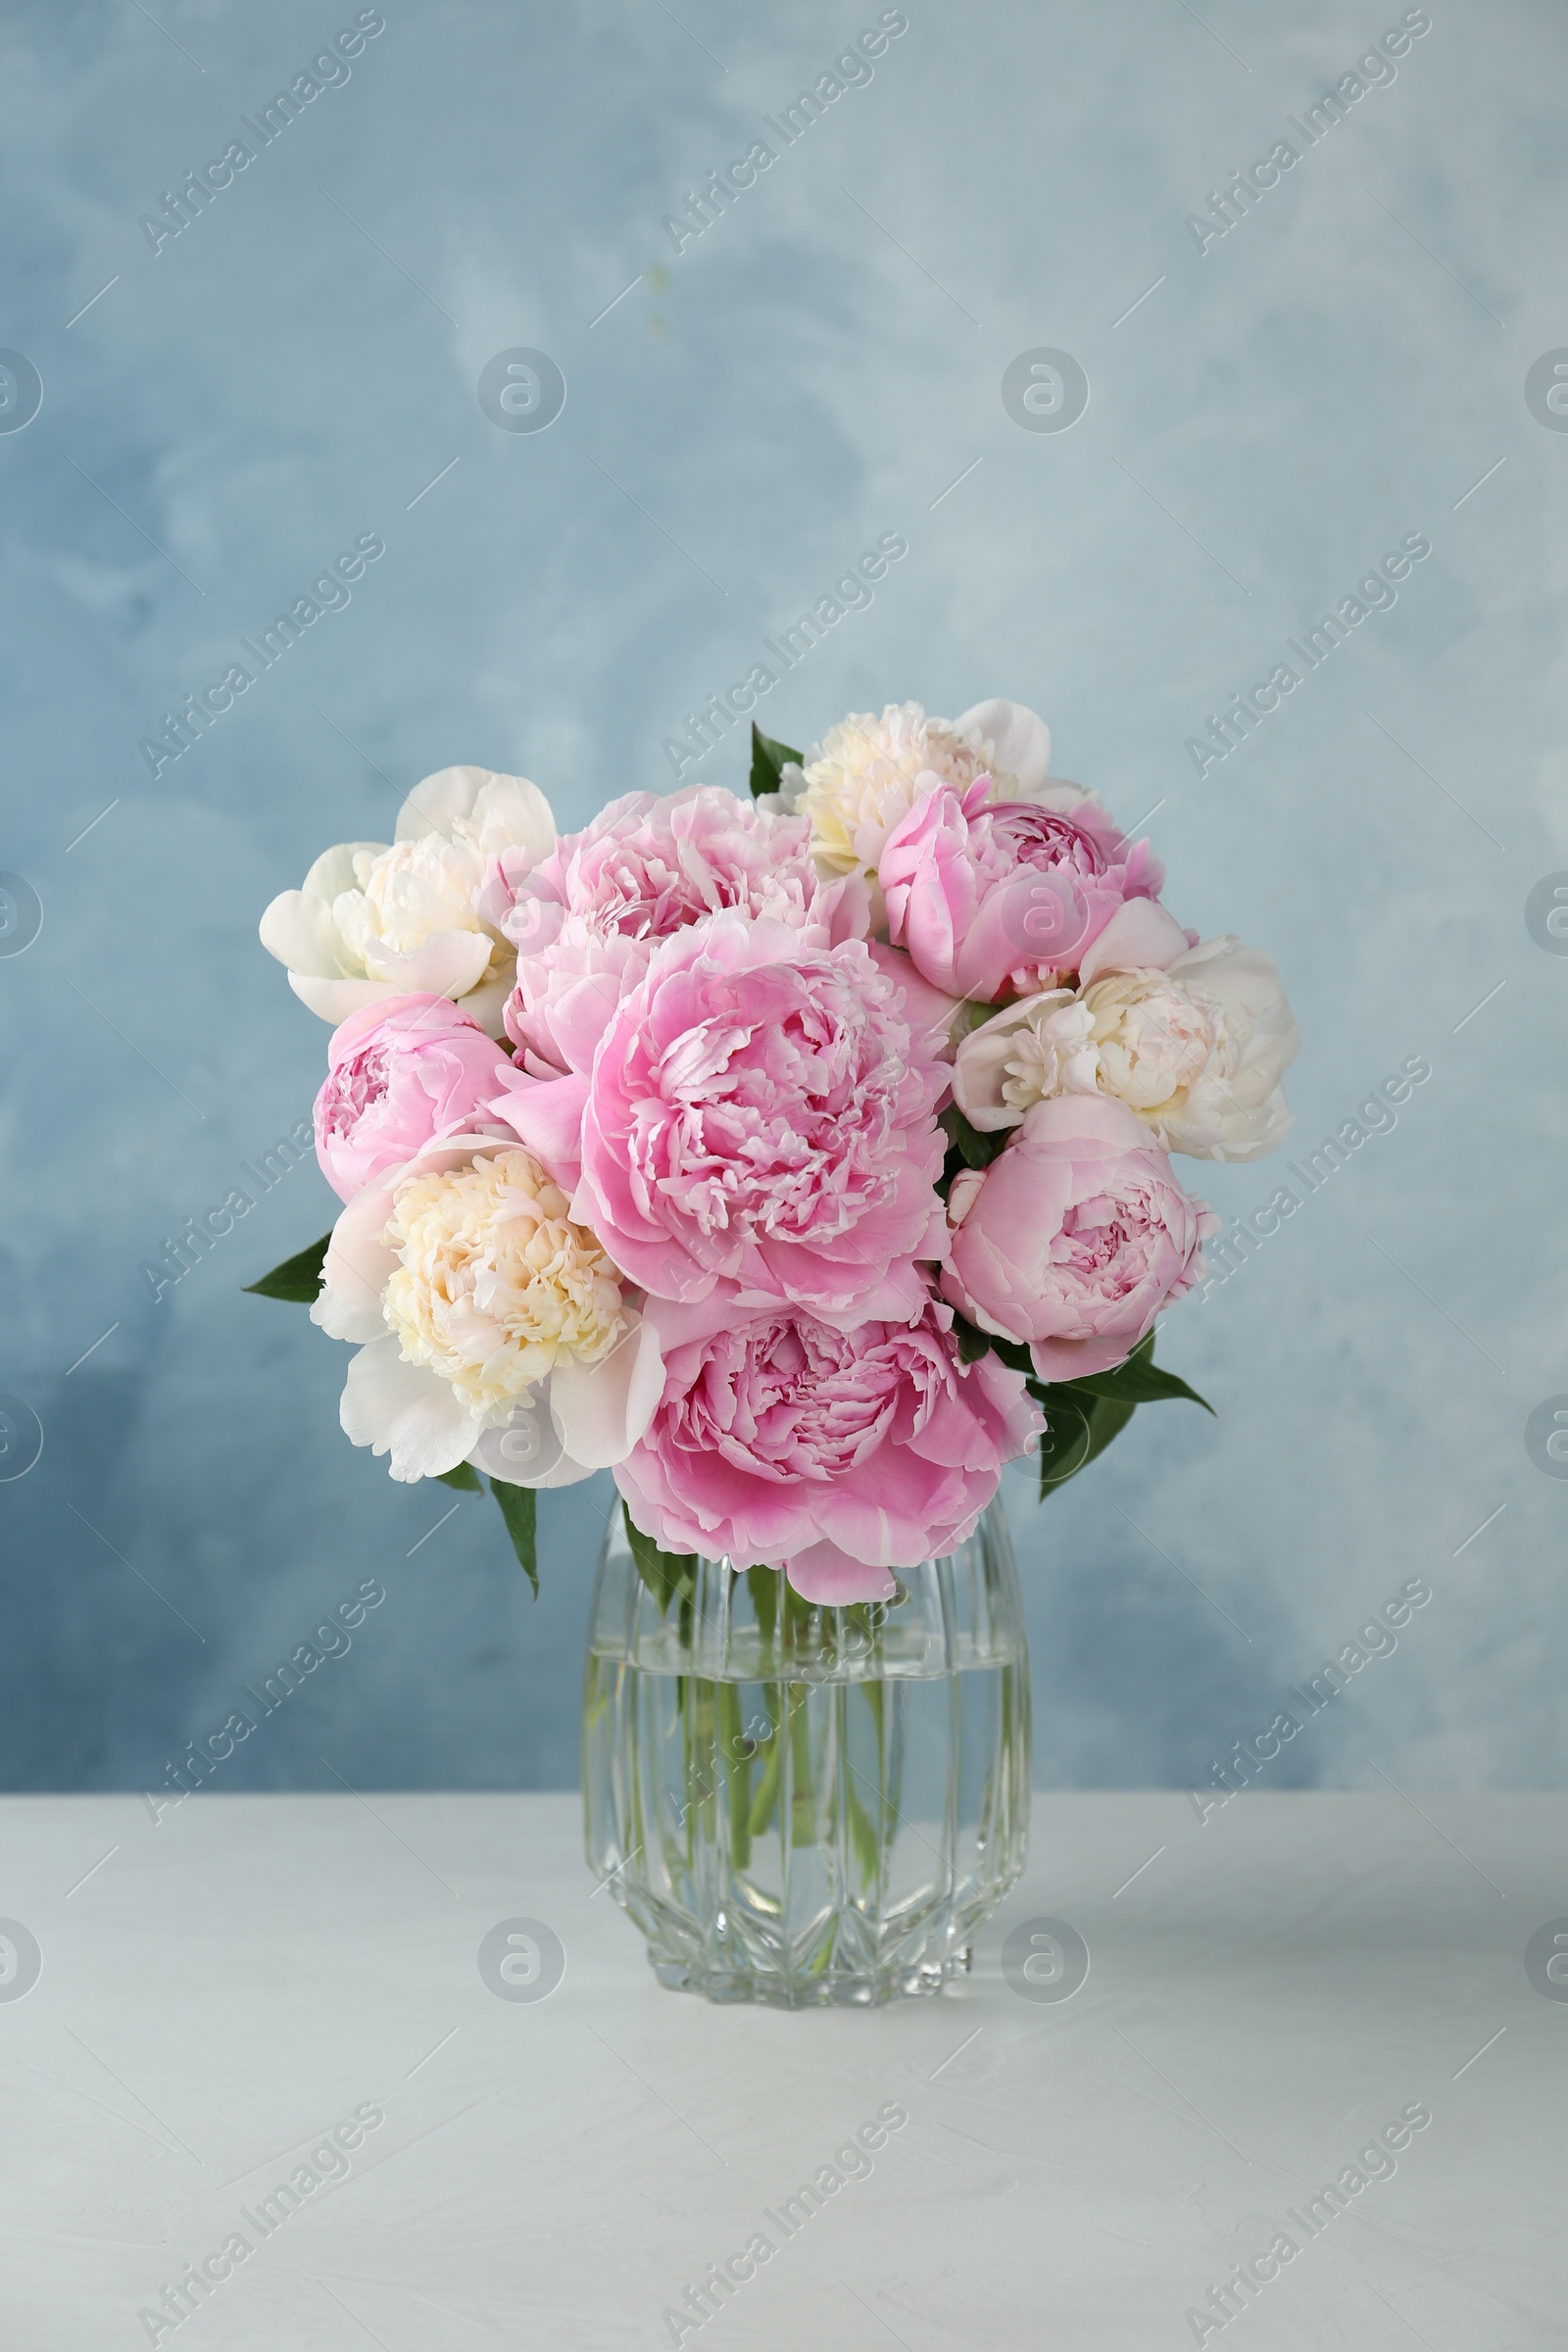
1268	1993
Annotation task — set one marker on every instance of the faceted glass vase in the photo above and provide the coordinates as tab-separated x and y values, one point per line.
804	1805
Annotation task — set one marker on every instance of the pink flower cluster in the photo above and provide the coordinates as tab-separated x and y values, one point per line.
735	1063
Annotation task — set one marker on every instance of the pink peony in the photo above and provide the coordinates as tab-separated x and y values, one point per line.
783	1441
398	1073
929	1010
1075	1237
760	1115
987	897
586	920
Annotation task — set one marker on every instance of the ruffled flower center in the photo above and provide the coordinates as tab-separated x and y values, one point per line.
657	868
1054	1052
1017	833
406	892
783	1124
1155	1038
1107	1244
792	1398
495	1282
356	1085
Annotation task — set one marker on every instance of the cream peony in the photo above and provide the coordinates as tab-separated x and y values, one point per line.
1197	1047
494	1282
493	1330
867	773
375	920
1044	1045
1200	1050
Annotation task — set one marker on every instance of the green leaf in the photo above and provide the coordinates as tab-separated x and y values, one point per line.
1108	1416
1093	1410
1014	1355
1078	1428
1067	1435
977	1151
767	761
973	1343
298	1278
1140	1383
663	1572
518	1508
465	1476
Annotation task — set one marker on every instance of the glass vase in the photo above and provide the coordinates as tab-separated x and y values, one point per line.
804	1805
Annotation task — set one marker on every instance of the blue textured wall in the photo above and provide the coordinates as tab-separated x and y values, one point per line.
293	368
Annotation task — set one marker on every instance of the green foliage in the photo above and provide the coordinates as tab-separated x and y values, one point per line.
768	762
518	1508
973	1342
297	1279
1140	1383
967	1147
1084	1415
1066	1438
465	1476
1100	1419
664	1573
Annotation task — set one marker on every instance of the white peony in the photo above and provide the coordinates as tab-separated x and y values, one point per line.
1041	1047
492	1329
1013	744
1195	1039
376	920
1216	1029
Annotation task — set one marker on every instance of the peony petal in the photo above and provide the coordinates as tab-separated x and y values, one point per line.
358	1267
523	1451
830	1578
603	1409
846	908
487	1003
682	1324
518	816
1020	740
980	1071
584	1005
1087	1119
333	871
1210	1124
340	1320
980	1067
335	1000
403	1409
1140	936
516	813
546	1114
445	963
417	1013
926	1009
1075	1359
298	929
567	1473
440	800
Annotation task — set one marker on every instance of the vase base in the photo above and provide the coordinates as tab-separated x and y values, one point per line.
830	1989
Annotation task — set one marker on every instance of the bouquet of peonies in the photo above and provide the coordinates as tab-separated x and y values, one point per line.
801	1159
